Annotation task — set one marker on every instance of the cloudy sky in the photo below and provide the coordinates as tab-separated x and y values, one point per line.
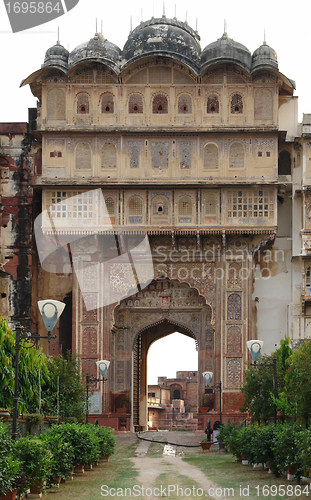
286	25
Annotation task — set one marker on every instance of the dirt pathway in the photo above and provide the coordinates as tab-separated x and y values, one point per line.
151	468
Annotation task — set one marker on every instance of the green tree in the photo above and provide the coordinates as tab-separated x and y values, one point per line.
296	396
72	400
258	385
31	360
257	390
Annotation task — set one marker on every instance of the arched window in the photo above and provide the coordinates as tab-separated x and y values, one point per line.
176	394
237	104
284	163
160	104
185	206
107	103
135	205
134	158
109	156
160	205
211	157
236	155
308	277
185	158
56	104
212	105
83	106
184	104
83	156
136	103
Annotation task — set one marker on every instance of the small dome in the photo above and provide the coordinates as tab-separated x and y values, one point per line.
96	49
264	57
226	49
56	56
164	36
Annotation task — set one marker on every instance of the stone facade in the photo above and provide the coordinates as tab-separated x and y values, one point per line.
192	156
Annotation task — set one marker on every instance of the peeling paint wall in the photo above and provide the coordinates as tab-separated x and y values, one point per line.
16	221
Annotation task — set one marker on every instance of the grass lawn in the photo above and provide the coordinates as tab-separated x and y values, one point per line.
244	482
186	487
233	479
155	450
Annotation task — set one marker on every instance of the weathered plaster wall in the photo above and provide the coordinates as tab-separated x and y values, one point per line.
16	221
273	284
288	116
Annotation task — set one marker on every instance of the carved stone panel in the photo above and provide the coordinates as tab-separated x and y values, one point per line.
90	303
89	366
234	276
234	307
234	339
234	372
89	340
95	401
120	373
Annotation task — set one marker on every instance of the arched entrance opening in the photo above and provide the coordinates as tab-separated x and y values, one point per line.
172	382
162	308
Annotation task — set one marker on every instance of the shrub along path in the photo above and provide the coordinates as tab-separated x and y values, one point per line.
190	474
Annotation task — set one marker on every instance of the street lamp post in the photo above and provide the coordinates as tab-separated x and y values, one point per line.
208	378
50	311
103	366
255	347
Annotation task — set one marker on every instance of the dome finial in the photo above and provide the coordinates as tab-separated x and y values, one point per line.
163	15
175	16
264	37
58	42
141	17
225	26
186	16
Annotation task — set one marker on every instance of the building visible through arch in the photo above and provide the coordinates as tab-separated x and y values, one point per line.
168	150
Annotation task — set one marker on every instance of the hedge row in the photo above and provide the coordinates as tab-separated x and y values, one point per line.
51	455
282	447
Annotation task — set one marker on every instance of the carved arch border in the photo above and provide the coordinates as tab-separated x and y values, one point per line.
164	313
164	320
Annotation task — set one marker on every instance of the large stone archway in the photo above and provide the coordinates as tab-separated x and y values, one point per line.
162	308
205	294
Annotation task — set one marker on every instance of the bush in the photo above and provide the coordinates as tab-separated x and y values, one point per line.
35	457
63	453
230	435
286	452
33	421
262	445
84	442
106	440
303	443
247	438
9	465
283	446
